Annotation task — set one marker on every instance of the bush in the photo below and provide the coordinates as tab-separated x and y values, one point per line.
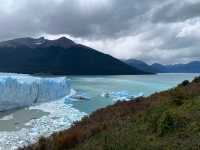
197	79
152	116
177	102
166	124
185	83
42	143
180	93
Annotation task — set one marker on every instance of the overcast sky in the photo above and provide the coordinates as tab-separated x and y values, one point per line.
165	31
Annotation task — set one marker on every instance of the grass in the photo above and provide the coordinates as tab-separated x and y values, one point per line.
169	120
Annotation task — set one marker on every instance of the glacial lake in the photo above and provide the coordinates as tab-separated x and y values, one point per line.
88	93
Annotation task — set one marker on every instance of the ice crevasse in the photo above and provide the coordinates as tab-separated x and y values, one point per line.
24	90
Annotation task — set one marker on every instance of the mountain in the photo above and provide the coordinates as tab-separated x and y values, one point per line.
59	57
41	42
192	67
140	65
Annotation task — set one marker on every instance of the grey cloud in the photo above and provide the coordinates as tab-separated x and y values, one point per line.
176	11
143	29
67	17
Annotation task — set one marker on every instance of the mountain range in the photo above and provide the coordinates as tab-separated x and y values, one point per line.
59	57
65	57
192	67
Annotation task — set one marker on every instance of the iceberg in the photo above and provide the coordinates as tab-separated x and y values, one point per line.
121	95
76	96
125	96
24	90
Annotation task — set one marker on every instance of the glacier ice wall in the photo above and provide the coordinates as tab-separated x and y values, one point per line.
24	90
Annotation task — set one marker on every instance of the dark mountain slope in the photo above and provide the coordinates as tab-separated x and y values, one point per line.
59	57
192	67
140	65
37	43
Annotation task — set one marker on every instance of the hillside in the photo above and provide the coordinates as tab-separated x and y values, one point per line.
166	120
59	57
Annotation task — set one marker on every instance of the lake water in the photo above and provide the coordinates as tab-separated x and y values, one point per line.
24	126
94	87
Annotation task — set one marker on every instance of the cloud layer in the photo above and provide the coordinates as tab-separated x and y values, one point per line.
154	31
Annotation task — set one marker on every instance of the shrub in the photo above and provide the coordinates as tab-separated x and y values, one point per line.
197	79
185	83
152	116
180	93
166	123
177	102
42	143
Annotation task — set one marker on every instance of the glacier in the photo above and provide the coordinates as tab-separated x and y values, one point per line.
33	93
24	90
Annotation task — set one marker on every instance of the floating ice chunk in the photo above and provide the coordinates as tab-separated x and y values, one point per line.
74	96
124	96
80	97
24	90
120	94
72	92
105	95
136	96
121	99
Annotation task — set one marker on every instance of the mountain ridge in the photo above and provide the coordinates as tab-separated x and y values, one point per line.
140	65
59	57
191	67
37	42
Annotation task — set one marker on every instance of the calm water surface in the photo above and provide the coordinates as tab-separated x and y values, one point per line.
93	87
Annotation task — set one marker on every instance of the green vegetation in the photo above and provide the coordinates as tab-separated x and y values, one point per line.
185	83
197	79
168	120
